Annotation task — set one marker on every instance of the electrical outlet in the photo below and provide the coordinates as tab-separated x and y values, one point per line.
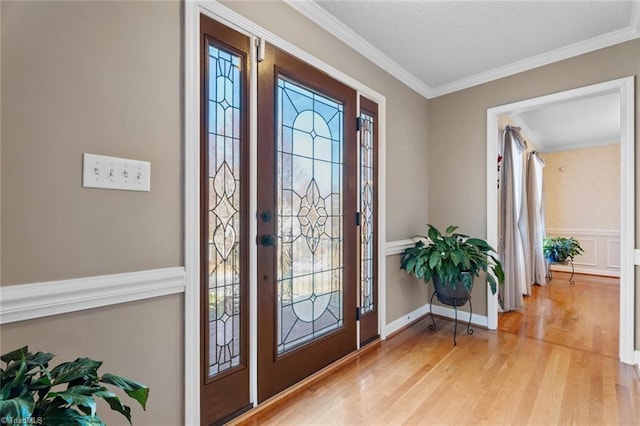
100	171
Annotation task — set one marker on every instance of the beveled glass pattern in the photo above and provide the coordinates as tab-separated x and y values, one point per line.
309	214
366	213
223	128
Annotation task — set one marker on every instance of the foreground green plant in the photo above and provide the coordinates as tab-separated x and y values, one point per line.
454	258
30	393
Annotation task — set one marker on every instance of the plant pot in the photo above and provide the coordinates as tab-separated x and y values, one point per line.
451	295
553	259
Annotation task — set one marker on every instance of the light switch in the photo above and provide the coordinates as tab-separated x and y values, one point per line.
100	171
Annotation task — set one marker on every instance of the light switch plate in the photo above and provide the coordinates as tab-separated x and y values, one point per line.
100	171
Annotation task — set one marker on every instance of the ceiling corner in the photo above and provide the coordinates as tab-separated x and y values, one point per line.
634	24
328	22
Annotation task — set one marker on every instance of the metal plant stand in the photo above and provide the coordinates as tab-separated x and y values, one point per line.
455	305
569	261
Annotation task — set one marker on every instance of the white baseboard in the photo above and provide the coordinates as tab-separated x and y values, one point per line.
463	315
636	360
443	311
587	271
28	301
405	320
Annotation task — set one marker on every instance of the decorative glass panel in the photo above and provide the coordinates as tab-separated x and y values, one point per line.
310	215
366	213
223	127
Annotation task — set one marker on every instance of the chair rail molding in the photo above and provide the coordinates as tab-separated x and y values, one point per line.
23	302
398	246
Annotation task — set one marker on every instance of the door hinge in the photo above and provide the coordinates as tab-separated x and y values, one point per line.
260	43
357	314
358	218
358	123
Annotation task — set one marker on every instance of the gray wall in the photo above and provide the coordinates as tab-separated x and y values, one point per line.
106	78
457	135
98	77
140	340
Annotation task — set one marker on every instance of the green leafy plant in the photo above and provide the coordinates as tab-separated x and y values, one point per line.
560	249
454	258
31	393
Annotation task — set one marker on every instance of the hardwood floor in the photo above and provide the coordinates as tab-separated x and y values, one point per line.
551	364
584	316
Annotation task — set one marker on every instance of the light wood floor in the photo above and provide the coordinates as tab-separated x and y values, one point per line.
554	363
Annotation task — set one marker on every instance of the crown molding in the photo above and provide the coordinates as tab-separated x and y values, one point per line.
329	23
545	146
338	29
575	146
576	49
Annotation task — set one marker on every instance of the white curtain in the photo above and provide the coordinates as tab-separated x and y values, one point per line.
512	220
536	216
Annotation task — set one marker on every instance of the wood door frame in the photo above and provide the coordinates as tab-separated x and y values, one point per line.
625	88
221	13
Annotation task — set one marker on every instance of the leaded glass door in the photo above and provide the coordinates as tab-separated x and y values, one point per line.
307	232
224	222
368	182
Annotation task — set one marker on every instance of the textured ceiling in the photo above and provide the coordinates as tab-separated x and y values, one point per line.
449	45
438	47
573	124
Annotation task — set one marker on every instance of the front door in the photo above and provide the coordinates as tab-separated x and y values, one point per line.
307	229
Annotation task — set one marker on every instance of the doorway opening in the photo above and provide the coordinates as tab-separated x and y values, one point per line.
624	87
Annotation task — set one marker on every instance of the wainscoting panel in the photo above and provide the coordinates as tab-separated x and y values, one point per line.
613	254
601	251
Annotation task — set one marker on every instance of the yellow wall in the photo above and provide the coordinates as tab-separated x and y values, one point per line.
582	188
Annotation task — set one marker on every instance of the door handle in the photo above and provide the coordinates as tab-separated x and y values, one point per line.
268	240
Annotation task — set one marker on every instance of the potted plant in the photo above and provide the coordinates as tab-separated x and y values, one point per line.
31	393
452	261
560	249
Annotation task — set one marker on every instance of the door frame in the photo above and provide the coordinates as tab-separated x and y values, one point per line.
625	88
191	161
